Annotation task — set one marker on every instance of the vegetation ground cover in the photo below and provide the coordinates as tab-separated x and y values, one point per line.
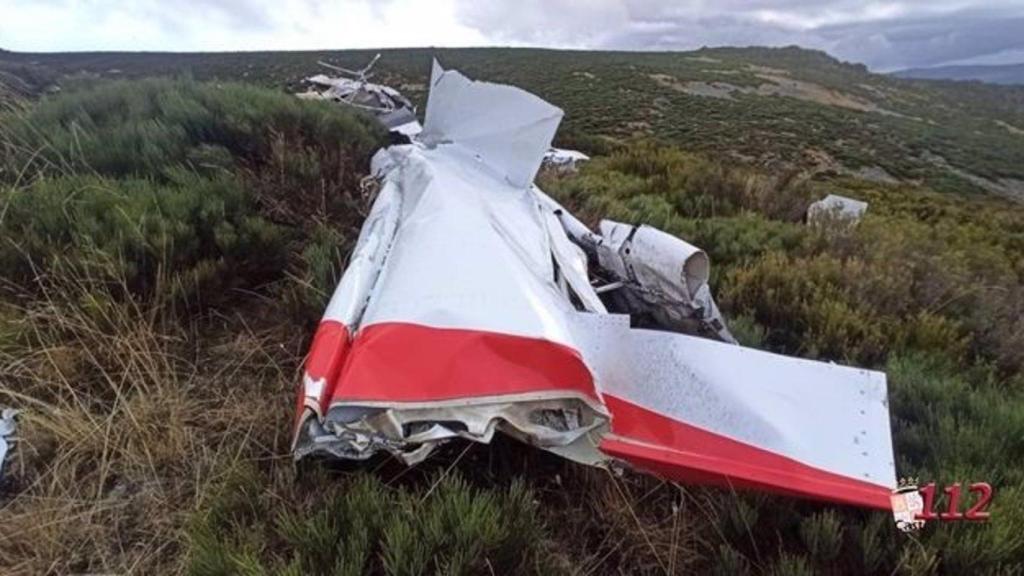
168	246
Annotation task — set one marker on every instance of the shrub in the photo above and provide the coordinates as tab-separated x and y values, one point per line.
822	534
790	565
685	184
149	127
361	525
951	426
207	230
213	185
730	562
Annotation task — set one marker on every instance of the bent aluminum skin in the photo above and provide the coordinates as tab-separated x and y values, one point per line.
473	303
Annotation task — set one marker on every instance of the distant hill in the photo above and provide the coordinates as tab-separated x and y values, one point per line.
1001	74
771	107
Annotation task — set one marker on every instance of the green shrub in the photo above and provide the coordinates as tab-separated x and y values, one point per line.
208	230
822	534
730	562
199	187
875	542
790	565
683	184
147	127
361	526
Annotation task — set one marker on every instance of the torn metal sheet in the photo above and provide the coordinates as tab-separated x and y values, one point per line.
834	207
506	128
474	303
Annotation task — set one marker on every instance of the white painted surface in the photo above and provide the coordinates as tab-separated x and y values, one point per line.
828	416
458	238
837	206
471	251
508	128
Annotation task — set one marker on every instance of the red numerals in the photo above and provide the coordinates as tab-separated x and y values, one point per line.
953	503
978	512
928	493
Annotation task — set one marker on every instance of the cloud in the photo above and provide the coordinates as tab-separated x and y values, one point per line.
197	25
883	34
932	39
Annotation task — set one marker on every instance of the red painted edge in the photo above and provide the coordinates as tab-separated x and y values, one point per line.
326	358
401	362
328	351
679	451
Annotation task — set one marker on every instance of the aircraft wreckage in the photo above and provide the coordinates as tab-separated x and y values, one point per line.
474	303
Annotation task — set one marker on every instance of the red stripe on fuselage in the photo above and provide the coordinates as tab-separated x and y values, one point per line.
327	356
689	454
401	362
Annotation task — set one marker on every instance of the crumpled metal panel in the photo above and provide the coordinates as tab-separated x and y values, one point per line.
429	336
564	159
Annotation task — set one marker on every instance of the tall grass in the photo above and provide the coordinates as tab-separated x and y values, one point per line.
128	418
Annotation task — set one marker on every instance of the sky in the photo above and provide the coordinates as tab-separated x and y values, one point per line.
883	35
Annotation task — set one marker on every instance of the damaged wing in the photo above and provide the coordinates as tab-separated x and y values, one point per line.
474	303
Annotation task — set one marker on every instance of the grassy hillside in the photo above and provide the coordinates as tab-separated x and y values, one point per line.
168	246
768	106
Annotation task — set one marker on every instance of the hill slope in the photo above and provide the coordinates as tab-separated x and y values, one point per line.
774	107
994	74
167	248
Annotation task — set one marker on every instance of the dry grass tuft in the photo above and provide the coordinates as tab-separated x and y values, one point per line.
128	420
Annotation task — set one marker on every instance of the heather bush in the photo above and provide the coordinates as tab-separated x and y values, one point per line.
360	525
214	186
207	229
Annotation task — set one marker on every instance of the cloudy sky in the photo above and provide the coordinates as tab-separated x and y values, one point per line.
884	35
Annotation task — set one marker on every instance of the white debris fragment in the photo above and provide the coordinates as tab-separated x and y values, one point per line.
563	159
7	427
506	127
388	105
836	207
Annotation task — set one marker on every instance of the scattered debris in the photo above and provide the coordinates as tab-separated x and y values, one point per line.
834	207
353	88
474	303
563	160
